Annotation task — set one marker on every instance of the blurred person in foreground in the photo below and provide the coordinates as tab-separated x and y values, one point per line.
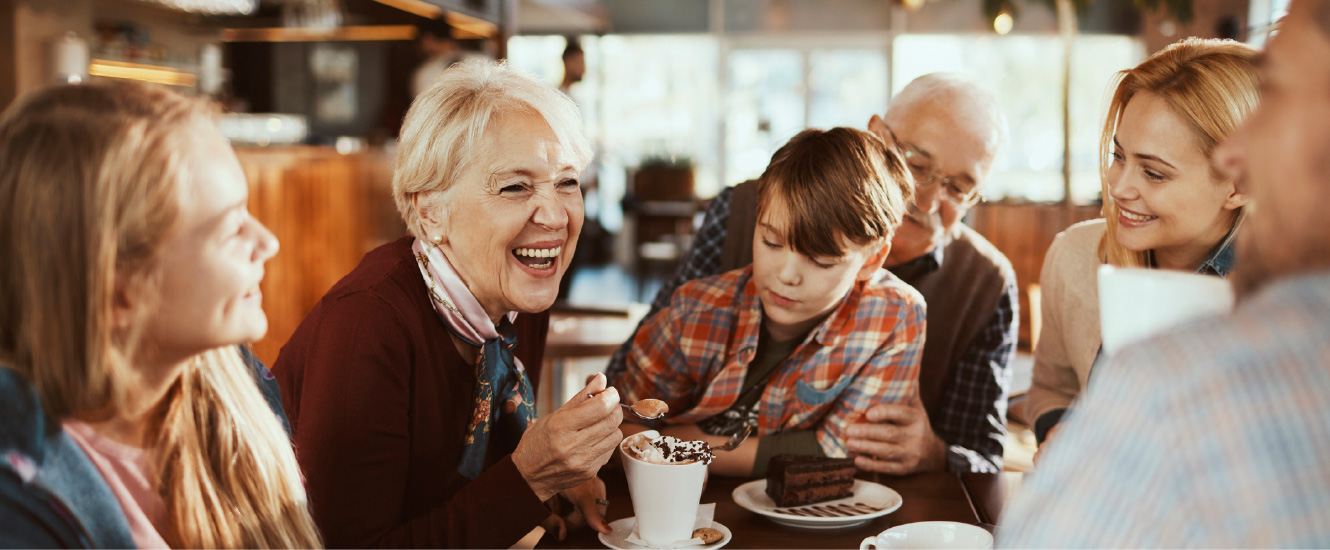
949	130
130	415
1215	434
1167	207
410	385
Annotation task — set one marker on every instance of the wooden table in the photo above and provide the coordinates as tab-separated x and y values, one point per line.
988	492
589	331
580	332
935	496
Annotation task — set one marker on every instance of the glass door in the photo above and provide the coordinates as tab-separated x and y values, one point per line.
765	105
777	86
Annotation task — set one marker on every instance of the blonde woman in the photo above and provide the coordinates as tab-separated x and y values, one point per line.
129	272
1166	203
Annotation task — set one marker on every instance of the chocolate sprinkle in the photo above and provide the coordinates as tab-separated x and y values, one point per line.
685	451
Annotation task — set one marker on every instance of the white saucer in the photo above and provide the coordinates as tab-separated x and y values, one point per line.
618	538
753	497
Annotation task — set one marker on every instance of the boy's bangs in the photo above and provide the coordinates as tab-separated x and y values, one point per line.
811	226
836	185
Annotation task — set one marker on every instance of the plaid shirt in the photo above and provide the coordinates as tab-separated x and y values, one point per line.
973	414
694	354
1214	434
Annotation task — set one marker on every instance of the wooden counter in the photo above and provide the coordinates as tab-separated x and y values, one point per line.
1024	231
327	210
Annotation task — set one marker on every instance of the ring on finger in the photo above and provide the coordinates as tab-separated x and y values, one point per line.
602	502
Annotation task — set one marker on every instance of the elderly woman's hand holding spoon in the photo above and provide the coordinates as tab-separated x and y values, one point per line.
563	451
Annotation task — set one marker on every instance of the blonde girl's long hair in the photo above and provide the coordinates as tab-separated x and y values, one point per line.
89	190
1212	84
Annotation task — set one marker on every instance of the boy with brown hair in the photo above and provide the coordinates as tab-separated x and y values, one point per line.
814	332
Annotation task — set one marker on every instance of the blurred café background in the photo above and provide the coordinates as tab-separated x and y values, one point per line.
680	97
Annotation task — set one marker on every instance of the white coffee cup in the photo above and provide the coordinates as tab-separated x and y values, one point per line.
946	535
1137	303
665	496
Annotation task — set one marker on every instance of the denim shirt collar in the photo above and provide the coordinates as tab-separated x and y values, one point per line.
1221	260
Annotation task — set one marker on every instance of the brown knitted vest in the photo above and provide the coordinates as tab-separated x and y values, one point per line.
962	295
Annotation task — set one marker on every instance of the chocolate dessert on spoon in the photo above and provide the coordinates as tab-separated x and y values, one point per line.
652	409
648	409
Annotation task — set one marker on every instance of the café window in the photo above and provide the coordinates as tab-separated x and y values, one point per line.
1262	17
643	97
1026	73
725	104
776	87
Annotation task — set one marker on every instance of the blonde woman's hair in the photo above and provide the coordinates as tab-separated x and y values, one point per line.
89	191
1210	83
443	130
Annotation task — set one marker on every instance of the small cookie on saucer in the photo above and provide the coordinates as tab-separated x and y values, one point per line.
708	535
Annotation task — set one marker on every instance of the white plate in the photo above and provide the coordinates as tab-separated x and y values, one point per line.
618	537
753	496
934	534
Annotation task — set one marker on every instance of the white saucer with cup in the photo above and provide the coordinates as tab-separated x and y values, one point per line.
944	535
665	497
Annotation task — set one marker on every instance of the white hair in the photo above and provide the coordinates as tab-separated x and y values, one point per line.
445	126
971	105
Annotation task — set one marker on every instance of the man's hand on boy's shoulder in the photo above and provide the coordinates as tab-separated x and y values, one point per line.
896	438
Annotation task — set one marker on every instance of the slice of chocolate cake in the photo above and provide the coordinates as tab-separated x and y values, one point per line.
794	480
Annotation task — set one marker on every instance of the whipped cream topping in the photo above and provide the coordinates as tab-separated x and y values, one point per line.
668	449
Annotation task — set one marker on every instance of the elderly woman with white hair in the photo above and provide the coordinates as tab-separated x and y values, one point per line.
412	413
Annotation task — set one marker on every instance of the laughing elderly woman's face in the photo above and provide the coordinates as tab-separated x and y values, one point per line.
510	224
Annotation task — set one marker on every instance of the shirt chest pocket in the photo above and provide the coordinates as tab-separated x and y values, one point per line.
818	394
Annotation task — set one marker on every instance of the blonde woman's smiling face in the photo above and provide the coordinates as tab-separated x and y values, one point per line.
1168	196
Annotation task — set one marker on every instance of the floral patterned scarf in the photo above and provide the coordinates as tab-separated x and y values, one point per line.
498	372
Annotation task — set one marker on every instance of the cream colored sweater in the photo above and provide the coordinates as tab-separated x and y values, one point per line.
1070	337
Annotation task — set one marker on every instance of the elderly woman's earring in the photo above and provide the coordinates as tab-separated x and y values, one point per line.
438	239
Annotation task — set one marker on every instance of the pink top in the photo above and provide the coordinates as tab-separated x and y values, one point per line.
125	470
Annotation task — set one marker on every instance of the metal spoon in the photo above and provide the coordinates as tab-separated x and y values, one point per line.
735	440
647	409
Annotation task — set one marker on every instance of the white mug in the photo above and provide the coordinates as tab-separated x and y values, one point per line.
665	496
1137	303
946	535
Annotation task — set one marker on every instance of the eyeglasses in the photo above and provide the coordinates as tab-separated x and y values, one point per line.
925	175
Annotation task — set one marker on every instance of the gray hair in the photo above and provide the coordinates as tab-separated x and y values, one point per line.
972	105
444	128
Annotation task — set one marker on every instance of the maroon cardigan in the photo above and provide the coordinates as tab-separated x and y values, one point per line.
379	398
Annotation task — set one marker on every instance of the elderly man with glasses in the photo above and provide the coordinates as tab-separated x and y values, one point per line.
950	130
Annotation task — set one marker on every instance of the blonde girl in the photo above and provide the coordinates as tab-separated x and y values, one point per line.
129	275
